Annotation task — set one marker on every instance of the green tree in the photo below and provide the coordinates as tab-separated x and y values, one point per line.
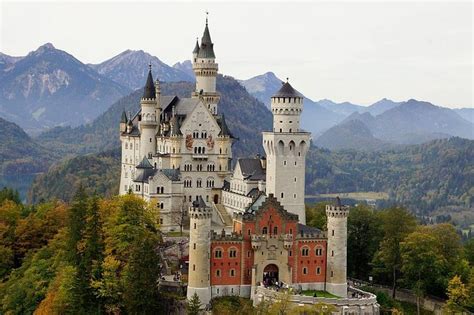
397	223
316	215
363	229
458	295
422	262
194	305
9	194
469	251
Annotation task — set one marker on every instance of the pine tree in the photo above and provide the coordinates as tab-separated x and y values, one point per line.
194	305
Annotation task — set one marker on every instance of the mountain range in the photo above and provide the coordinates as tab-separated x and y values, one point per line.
381	125
130	69
49	87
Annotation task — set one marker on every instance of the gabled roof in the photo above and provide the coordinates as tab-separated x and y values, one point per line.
149	90
143	174
251	168
263	203
173	174
287	91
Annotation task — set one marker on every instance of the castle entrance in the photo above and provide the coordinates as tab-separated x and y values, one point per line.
216	199
270	275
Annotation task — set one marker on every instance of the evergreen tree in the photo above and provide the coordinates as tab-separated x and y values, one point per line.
194	305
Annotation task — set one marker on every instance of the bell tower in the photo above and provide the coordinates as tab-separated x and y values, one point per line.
286	147
148	124
205	69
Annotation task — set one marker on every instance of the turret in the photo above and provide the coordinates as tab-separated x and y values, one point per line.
336	275
148	123
286	147
205	68
123	122
199	251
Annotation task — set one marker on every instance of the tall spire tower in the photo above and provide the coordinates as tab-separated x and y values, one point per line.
205	68
286	148
148	124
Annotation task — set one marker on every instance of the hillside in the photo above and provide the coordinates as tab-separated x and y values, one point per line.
99	174
351	134
49	87
130	69
236	104
423	177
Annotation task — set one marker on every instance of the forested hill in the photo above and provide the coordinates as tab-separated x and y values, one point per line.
422	177
245	116
19	154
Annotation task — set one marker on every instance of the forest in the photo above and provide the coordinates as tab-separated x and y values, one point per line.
100	255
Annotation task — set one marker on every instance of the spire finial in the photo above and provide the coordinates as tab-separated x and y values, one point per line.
149	65
207	15
287	79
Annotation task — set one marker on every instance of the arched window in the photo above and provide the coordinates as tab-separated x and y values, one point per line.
319	251
264	230
232	252
275	230
218	253
305	251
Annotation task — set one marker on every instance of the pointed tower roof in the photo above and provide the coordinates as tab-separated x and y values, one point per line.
287	91
207	47
196	48
149	90
144	163
224	129
124	119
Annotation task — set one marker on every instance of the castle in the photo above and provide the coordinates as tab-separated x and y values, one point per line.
178	151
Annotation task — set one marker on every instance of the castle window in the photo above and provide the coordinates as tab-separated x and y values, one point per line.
318	270
248	254
218	274
126	145
218	253
248	231
305	270
232	273
284	162
194	267
332	273
332	253
319	251
332	232
305	251
281	195
150	139
232	253
294	196
161	221
264	230
161	205
194	246
275	230
290	253
194	225
291	231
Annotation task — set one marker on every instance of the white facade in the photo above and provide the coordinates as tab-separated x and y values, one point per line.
183	134
286	148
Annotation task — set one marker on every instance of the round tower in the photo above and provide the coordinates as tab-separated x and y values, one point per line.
199	251
148	123
286	147
336	271
205	69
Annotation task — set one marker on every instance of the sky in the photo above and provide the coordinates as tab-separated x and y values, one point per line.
356	51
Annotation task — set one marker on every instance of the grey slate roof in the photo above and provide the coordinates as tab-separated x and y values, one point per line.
149	90
173	174
251	168
199	203
143	174
287	91
307	230
207	47
225	131
196	48
124	119
144	163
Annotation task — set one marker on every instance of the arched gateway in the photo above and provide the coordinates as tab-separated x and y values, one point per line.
270	274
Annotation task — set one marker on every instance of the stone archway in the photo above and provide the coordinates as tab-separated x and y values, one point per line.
270	274
216	199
